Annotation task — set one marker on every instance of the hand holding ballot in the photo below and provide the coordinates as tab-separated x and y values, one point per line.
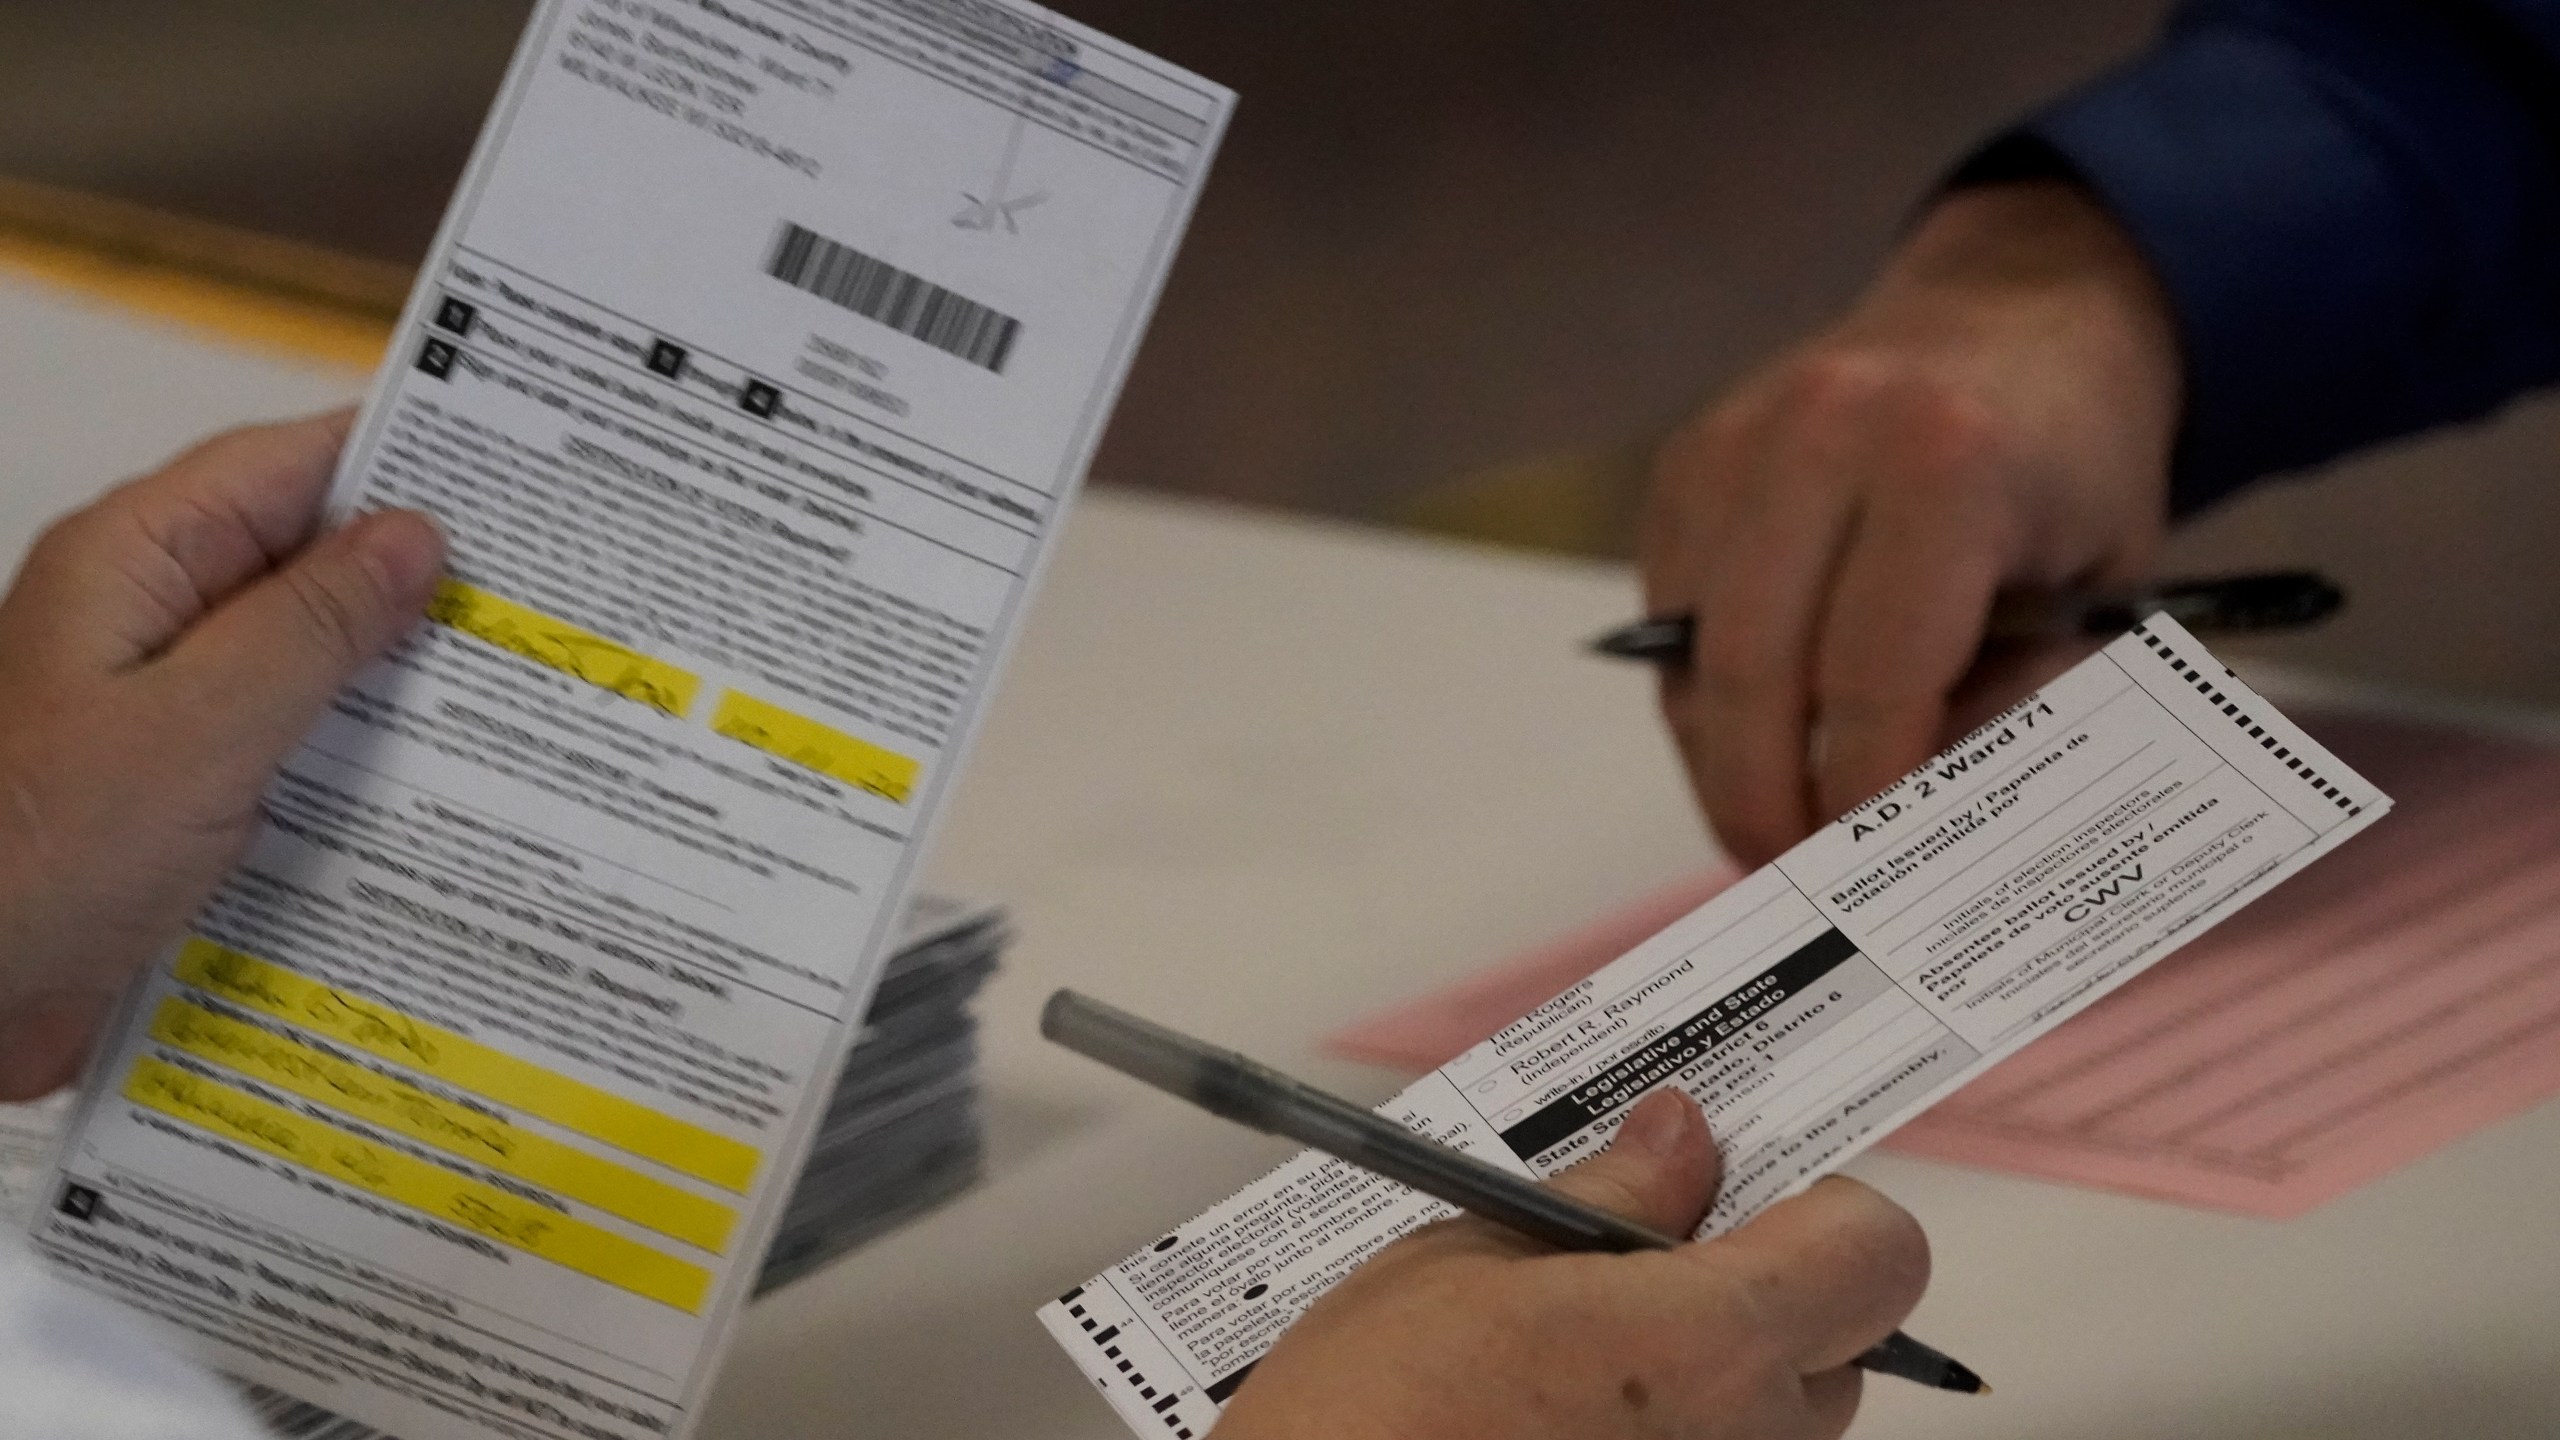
1468	1332
160	653
1810	1008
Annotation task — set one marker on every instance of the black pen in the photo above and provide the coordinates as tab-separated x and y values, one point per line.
2232	605
1227	1084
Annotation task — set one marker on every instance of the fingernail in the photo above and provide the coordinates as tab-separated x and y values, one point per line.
1662	1125
404	552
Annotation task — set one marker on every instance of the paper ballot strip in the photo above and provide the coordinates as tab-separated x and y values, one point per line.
2399	997
2389	1003
762	349
1811	1008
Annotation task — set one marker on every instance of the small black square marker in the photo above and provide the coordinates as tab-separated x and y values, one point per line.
79	1202
668	358
457	316
437	359
760	399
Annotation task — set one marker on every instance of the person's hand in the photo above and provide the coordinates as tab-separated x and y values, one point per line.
1468	1332
1997	412
160	654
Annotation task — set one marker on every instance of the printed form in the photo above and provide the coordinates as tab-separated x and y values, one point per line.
2005	886
752	375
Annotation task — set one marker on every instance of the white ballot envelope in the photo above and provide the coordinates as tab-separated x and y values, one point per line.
1992	894
752	374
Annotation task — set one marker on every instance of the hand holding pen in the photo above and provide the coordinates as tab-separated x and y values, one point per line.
2234	605
1780	741
1711	1340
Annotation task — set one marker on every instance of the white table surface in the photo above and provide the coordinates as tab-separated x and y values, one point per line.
1258	777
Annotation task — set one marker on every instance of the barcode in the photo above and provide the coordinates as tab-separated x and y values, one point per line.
281	1414
910	304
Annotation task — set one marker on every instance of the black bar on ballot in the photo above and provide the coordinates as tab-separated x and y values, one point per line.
1684	1044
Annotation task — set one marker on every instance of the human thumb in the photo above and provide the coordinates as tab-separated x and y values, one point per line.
255	675
1661	1170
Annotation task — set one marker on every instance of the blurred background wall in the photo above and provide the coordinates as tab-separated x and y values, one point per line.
1461	263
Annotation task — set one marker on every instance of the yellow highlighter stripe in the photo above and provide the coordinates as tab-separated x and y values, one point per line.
558	645
456	1129
812	746
351	1159
465	1064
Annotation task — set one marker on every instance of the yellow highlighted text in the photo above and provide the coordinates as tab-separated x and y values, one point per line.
813	746
559	645
405	1109
340	1155
465	1064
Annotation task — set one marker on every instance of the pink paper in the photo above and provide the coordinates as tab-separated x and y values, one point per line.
2392	999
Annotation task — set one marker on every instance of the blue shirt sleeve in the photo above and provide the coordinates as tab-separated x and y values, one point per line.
2354	206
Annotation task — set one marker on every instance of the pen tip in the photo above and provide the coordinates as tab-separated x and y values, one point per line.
1963	1381
1651	641
1055	1016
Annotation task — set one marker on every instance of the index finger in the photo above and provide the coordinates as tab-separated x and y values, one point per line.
1832	1271
111	585
1755	582
1907	616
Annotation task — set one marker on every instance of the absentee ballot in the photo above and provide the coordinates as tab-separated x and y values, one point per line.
2044	860
764	347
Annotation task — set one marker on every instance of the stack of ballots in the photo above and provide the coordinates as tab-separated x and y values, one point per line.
904	1131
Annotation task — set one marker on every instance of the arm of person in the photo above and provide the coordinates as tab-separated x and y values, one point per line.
161	653
2294	228
1467	1332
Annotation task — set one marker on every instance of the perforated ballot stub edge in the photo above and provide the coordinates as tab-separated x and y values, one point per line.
2005	886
